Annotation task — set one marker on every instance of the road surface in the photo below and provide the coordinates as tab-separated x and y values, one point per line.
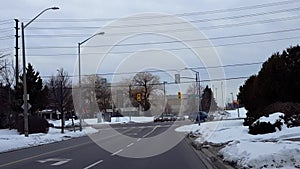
84	153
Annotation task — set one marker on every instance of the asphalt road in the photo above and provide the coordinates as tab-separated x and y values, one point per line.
124	147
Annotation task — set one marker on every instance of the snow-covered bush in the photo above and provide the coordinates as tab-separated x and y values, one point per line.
267	124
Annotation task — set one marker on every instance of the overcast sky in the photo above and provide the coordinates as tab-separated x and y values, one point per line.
242	31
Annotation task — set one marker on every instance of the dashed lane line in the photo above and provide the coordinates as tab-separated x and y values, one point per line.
150	132
94	164
129	145
117	152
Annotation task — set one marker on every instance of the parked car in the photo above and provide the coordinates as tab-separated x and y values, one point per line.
196	116
165	117
180	118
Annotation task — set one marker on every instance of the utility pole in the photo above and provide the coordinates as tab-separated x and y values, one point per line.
199	89
216	89
25	97
61	75
223	104
17	60
61	105
17	50
165	93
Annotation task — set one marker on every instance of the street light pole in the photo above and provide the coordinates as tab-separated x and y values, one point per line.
25	97
198	86
24	84
79	74
61	98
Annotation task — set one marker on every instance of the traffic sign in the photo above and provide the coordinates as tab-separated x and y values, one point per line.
28	106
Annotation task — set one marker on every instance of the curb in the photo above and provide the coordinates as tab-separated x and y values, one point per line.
209	156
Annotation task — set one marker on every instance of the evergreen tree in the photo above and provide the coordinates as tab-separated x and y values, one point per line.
35	88
208	102
277	81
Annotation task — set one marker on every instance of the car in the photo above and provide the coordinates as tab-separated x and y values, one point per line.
180	118
165	117
196	115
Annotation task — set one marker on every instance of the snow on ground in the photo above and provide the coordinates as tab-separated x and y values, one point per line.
257	151
12	140
237	113
228	114
115	120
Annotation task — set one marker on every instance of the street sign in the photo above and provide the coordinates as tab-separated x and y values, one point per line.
177	78
29	106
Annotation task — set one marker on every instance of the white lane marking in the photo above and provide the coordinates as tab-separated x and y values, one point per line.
115	153
59	161
150	132
92	165
129	145
139	139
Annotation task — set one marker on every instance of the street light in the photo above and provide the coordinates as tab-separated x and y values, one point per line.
25	97
198	85
60	72
79	74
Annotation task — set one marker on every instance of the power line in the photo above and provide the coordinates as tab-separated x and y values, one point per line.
176	23
6	20
168	70
6	37
204	39
171	49
282	19
216	11
6	49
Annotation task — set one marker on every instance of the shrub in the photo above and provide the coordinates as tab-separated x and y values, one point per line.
291	111
36	124
261	128
248	121
264	127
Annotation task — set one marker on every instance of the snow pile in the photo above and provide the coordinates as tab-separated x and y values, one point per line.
57	123
237	113
272	118
257	151
12	140
262	154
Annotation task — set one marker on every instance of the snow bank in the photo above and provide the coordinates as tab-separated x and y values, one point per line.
272	118
126	119
262	154
237	113
257	151
11	140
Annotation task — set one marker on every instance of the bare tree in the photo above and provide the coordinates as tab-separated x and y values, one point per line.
61	92
145	84
3	61
192	102
96	94
6	94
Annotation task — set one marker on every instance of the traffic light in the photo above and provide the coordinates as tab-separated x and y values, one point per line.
138	97
179	95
